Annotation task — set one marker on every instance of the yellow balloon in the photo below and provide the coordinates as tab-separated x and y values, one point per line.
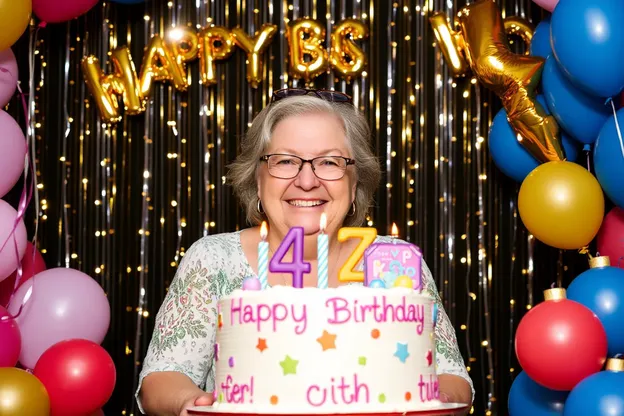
561	204
22	394
14	19
404	281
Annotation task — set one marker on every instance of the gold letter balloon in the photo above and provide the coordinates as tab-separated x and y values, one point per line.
305	38
254	48
215	44
562	205
346	56
22	394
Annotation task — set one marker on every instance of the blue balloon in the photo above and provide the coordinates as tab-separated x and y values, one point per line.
601	394
601	289
510	156
578	113
540	43
527	398
609	159
587	38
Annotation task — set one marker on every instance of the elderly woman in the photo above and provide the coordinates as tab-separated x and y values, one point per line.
306	153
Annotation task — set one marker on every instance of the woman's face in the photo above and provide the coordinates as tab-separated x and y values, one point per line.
301	200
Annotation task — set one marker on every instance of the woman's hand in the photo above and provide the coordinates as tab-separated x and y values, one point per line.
454	389
199	399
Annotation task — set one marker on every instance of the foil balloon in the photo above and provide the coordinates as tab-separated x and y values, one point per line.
513	78
254	48
515	25
451	44
215	44
159	64
184	44
105	88
305	38
346	56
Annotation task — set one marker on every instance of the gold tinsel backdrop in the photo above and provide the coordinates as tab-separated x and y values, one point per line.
122	201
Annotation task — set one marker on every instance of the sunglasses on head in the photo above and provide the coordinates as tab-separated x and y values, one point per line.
327	95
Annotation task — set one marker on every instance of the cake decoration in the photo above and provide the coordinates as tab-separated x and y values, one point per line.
220	320
388	261
289	365
377	284
262	345
434	314
375	333
216	351
251	283
382	398
362	360
401	352
429	358
220	397
231	362
274	400
327	341
403	281
408	396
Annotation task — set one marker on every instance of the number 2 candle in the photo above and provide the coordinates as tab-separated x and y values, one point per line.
367	236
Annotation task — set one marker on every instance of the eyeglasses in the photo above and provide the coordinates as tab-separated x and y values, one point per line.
327	168
327	95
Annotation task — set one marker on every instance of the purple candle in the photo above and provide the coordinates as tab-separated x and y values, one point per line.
297	267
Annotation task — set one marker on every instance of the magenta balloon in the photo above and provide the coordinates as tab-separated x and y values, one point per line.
547	4
56	11
8	259
13	145
11	343
8	76
64	304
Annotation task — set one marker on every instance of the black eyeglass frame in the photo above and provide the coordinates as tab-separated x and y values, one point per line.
327	95
265	158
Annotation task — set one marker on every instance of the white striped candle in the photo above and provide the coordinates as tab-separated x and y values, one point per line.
322	243
263	257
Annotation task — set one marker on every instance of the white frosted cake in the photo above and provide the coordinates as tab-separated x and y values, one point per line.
313	351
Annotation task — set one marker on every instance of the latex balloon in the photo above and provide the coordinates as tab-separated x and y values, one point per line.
609	158
588	44
526	397
79	376
13	144
14	19
578	113
601	289
540	43
601	394
32	263
547	4
11	340
22	394
562	205
64	304
159	64
215	43
346	56
610	239
12	234
57	11
8	76
105	88
513	78
305	37
549	339
254	48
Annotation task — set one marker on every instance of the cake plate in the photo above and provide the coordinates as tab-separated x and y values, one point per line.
444	409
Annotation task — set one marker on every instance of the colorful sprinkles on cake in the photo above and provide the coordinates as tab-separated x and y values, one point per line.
274	400
375	333
382	398
216	351
429	358
231	362
362	360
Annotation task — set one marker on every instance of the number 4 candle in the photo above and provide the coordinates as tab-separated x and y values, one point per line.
297	267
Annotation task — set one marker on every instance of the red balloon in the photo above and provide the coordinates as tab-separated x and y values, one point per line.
31	265
56	11
611	237
79	376
559	343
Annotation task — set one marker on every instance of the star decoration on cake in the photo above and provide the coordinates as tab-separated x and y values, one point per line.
216	351
289	365
429	358
262	345
220	319
401	352
327	341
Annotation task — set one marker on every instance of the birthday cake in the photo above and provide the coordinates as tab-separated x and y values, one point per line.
351	349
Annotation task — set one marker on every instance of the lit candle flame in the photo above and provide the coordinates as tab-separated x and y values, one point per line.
264	231
323	222
395	231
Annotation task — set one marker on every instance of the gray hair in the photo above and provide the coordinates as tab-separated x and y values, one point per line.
242	175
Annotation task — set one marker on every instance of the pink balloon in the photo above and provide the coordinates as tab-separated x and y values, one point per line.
547	4
8	76
611	237
31	265
13	145
11	340
8	260
64	304
56	11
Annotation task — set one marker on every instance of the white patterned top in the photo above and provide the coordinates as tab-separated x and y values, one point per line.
213	267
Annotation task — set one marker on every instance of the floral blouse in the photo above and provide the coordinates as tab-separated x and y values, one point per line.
213	267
